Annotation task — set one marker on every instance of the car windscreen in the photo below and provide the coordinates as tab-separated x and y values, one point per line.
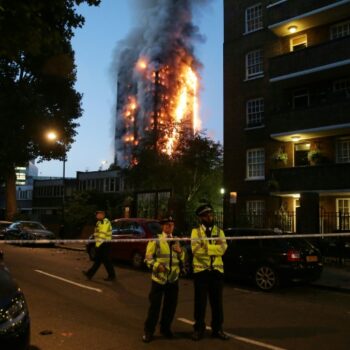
154	227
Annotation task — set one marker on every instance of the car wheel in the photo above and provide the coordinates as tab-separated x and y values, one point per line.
266	278
137	260
92	252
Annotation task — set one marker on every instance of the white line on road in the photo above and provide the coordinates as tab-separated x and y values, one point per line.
70	282
242	339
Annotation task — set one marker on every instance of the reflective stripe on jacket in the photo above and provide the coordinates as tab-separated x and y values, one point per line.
207	255
103	231
158	253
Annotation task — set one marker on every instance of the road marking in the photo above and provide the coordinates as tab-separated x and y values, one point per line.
70	282
242	339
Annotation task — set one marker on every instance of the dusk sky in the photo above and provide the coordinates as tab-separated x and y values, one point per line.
94	46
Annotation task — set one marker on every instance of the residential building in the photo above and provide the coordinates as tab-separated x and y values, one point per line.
287	113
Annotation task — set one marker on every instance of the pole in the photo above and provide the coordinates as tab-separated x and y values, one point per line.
63	192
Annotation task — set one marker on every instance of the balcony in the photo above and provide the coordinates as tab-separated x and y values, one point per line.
312	178
304	14
322	120
314	59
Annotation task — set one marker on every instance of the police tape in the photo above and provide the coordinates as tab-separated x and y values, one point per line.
178	238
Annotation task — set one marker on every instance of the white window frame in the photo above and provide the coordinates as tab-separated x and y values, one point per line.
255	109
255	170
343	155
254	64
253	18
340	30
340	208
301	38
342	85
255	207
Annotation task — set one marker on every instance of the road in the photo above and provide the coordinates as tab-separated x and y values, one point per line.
68	312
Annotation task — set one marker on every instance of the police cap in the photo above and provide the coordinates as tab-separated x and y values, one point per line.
204	209
167	220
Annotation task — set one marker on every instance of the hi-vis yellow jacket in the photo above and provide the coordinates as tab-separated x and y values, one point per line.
103	231
160	253
207	255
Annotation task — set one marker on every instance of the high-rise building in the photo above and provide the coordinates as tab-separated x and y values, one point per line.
287	113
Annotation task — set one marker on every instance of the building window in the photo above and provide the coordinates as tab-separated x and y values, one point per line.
298	42
301	98
255	112
343	214
343	150
255	212
254	64
342	86
301	151
256	164
340	30
253	18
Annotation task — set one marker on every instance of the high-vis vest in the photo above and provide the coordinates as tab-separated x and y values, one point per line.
207	255
103	231
160	252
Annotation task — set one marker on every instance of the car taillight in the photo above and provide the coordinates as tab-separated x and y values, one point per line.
293	255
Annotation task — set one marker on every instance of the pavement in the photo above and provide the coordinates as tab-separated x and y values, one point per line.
335	275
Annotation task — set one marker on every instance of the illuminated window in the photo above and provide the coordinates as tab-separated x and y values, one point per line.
254	64
253	18
256	164
340	30
343	213
343	150
255	112
298	42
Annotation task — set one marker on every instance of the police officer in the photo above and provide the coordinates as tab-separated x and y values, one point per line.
164	258
103	232
208	271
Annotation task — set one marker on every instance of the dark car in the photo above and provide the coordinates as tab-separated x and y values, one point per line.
128	228
29	230
14	315
3	226
270	261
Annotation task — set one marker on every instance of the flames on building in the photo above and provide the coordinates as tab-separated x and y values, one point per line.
158	79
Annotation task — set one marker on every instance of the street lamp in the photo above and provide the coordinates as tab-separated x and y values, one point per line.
52	136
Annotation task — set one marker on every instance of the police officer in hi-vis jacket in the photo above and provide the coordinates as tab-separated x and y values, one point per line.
164	258
208	271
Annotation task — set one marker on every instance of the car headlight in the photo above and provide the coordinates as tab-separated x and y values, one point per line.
12	313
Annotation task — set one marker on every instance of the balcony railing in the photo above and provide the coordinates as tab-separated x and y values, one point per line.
311	178
331	111
319	57
289	9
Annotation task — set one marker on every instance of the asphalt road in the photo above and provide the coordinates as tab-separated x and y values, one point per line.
68	312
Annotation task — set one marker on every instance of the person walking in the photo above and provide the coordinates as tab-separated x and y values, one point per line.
103	233
208	271
164	258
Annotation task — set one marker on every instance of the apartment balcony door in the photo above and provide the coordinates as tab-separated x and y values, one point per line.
301	151
343	214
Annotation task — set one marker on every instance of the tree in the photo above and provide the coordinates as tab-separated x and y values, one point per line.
37	77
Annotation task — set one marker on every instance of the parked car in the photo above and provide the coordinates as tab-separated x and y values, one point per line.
270	261
133	252
3	226
14	315
28	230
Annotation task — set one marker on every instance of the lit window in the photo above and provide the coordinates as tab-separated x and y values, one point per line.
298	42
340	30
255	112
256	164
343	150
343	214
253	18
254	64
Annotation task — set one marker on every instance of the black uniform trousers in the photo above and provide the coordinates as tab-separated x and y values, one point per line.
102	257
168	293
208	283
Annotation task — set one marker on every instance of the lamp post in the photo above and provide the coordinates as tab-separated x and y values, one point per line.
52	136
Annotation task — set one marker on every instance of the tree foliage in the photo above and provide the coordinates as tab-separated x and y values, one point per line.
37	77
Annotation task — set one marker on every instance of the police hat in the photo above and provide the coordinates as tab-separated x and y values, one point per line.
203	209
100	211
167	220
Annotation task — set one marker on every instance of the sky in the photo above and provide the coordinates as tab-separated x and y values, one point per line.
94	45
